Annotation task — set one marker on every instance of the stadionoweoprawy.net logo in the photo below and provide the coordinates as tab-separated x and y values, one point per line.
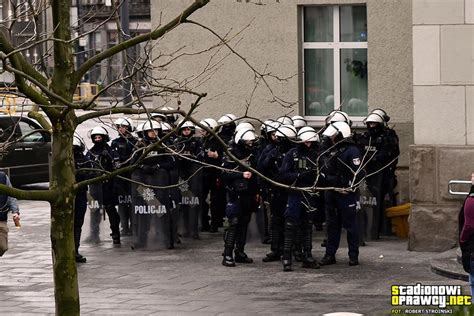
427	299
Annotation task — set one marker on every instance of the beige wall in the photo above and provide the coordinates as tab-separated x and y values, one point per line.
271	40
443	72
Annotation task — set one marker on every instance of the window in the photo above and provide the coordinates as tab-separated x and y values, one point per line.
334	59
30	134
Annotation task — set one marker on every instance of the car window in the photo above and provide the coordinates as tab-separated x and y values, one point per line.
27	131
7	126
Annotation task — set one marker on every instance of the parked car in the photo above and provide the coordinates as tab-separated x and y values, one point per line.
24	150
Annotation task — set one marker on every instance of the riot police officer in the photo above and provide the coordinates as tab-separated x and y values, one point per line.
341	172
105	159
189	149
269	164
211	154
124	145
299	169
242	196
152	203
80	202
380	143
227	127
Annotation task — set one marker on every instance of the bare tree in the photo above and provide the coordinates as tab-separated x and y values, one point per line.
50	82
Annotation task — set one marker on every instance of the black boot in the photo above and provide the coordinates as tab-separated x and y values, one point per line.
80	258
275	253
327	260
116	238
290	234
308	260
297	247
240	255
229	244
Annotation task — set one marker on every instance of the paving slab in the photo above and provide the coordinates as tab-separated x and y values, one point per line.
190	280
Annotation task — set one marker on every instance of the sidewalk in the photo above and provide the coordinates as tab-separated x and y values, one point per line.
191	280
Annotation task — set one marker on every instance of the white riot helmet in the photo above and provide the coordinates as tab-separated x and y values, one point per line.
382	113
244	125
338	116
244	135
166	127
226	119
341	128
298	121
123	121
187	124
308	134
285	120
374	118
210	123
168	117
78	142
286	131
265	125
151	125
273	126
99	130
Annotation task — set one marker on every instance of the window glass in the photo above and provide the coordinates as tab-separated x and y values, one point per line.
318	24
319	79
354	81
353	24
29	133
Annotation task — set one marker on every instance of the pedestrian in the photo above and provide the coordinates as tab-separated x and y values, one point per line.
466	236
242	197
7	204
341	172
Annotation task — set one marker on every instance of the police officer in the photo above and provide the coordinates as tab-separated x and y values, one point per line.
189	148
298	122
211	154
105	159
380	143
269	164
227	127
152	204
242	196
124	145
341	172
299	169
80	202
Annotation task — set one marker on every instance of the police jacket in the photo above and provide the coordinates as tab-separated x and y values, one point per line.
154	160
382	149
300	166
210	143
124	146
271	160
234	180
103	157
339	165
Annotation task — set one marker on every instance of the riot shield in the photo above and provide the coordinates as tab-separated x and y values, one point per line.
365	215
123	191
95	206
190	204
150	207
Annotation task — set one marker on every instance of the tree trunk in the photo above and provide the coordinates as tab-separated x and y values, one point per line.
62	222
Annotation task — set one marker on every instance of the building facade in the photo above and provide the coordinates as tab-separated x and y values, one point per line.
415	59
